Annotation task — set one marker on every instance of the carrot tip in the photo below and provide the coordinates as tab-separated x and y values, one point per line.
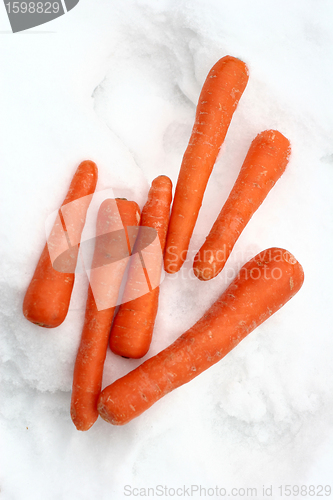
203	274
105	414
288	257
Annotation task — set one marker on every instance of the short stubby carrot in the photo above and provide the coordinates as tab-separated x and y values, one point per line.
47	298
262	286
218	100
264	164
111	256
133	325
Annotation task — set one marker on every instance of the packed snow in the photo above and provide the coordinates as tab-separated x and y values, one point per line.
118	83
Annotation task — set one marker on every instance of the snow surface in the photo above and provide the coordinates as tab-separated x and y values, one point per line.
118	82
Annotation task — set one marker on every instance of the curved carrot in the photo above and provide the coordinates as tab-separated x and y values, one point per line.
262	286
111	255
218	100
46	301
263	166
133	325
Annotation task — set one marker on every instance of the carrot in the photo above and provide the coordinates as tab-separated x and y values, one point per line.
133	325
218	100
262	286
47	298
264	164
111	255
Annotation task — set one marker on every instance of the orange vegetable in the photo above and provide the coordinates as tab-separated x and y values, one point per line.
263	166
262	286
47	299
111	255
133	325
218	100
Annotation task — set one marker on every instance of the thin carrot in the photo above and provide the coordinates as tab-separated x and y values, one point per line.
262	286
218	100
264	164
111	255
133	325
47	299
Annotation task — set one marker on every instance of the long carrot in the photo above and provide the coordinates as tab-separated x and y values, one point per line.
111	255
264	164
262	286
46	301
133	325
218	100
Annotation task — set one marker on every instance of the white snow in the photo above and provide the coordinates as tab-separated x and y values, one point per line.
117	83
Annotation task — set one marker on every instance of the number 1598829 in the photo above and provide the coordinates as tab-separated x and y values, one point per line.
33	7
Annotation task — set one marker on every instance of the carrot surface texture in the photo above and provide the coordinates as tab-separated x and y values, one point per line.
218	100
113	248
47	298
262	286
264	164
133	325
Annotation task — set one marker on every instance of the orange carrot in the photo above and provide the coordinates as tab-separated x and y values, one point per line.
46	301
262	286
263	166
111	255
218	100
133	325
